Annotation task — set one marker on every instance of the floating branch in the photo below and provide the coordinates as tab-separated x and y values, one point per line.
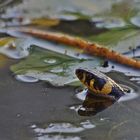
87	47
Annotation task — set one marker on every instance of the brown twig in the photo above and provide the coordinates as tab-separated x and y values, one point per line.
87	47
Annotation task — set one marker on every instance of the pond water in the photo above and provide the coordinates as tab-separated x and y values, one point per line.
40	96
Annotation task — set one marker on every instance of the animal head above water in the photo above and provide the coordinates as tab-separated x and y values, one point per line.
99	83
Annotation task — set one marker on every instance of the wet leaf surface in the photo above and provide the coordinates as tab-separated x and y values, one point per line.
53	67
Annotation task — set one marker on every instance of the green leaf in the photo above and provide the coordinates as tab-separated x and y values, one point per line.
58	69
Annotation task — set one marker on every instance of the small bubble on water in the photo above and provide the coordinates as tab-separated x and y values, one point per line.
49	61
57	70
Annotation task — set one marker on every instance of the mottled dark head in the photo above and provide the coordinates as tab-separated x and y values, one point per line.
79	73
93	80
84	75
99	83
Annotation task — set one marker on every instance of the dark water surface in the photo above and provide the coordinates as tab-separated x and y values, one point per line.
40	111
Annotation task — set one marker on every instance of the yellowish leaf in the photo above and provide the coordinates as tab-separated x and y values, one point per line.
45	22
6	40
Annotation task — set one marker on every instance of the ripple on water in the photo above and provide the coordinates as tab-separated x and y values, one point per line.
128	96
25	78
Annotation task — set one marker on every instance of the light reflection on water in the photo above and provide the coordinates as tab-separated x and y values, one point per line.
58	137
63	128
50	61
27	79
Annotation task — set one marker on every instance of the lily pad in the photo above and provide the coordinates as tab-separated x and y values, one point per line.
113	36
57	69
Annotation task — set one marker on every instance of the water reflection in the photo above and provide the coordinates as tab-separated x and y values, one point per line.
94	104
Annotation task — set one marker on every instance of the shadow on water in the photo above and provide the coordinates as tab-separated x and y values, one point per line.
78	27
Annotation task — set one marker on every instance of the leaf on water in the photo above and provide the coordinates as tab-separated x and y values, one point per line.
58	69
6	40
123	9
113	36
45	22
